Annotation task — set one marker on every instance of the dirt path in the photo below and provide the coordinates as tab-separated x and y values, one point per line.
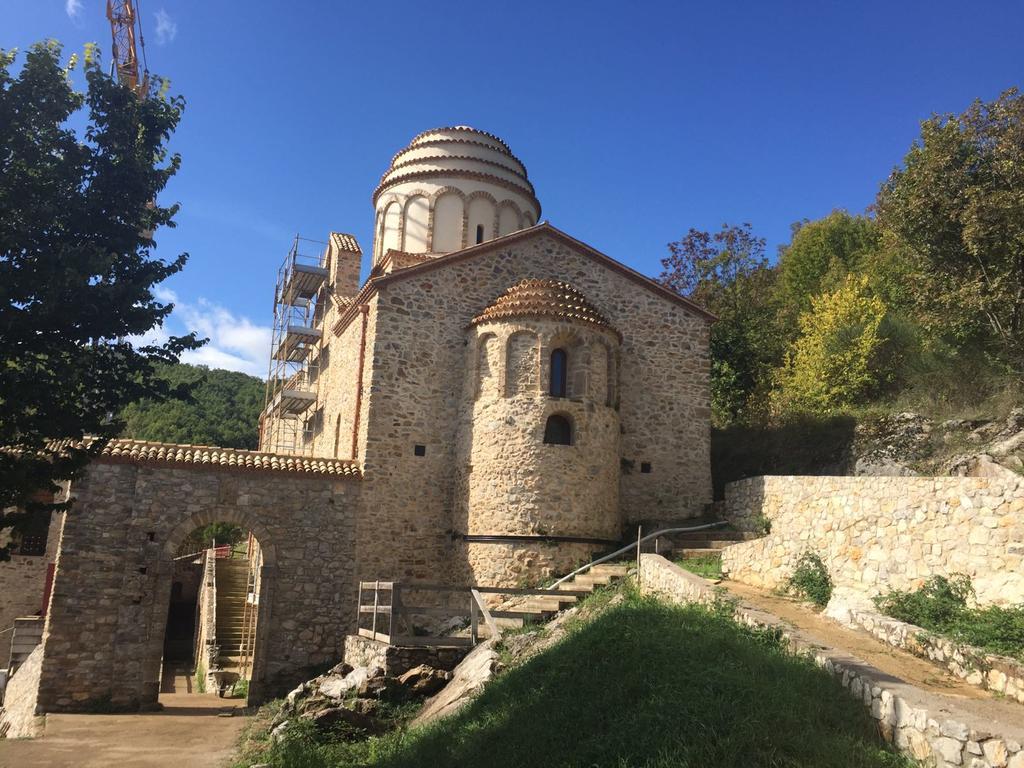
892	661
188	733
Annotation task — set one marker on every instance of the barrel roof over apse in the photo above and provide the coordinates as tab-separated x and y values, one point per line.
548	299
458	152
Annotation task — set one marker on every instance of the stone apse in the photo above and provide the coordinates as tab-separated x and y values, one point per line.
104	632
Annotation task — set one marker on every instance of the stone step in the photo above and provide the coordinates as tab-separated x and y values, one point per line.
612	569
714	554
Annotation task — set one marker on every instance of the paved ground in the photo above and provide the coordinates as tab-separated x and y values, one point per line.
188	733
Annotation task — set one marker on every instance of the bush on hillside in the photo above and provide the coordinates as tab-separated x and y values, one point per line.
941	605
810	580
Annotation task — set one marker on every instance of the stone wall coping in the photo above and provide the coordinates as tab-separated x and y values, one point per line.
975	666
920	723
144	451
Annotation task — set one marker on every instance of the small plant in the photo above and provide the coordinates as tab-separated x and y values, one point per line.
810	579
240	690
200	678
762	525
941	605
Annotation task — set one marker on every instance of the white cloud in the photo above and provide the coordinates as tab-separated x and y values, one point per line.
166	27
235	342
73	8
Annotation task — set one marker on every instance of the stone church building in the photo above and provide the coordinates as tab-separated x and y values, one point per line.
495	404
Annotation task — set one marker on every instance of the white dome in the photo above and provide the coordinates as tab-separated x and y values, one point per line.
449	189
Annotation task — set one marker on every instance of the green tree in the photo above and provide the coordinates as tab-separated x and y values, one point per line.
819	256
77	270
223	408
954	214
728	274
835	362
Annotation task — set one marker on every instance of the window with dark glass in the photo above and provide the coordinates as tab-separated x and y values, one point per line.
558	431
479	233
559	372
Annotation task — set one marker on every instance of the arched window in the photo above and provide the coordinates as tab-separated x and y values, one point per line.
559	373
558	430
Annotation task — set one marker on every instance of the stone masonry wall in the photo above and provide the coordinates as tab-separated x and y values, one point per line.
417	327
18	716
105	628
395	661
877	533
939	731
22	583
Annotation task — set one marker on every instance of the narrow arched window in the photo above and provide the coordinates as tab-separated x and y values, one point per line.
479	233
559	372
558	430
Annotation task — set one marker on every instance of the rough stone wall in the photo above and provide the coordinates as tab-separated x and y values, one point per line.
22	583
924	726
877	533
206	618
1000	674
105	628
19	714
338	387
508	480
364	652
419	352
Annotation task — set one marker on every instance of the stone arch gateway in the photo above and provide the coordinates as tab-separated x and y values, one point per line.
108	609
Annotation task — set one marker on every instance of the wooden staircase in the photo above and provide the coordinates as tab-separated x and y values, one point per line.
232	589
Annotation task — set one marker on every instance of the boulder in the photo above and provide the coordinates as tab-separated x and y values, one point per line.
344	721
338	686
881	466
469	677
424	680
383	688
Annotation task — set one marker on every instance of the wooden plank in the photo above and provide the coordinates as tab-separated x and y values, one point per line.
494	590
376	584
417	641
369	633
524	615
371	608
495	632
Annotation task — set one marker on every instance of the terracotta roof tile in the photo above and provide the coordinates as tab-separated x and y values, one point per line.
145	451
345	242
543	298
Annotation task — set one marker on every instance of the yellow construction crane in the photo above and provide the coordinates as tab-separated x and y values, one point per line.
123	18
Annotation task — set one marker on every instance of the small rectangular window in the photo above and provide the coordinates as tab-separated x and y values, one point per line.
420	450
645	467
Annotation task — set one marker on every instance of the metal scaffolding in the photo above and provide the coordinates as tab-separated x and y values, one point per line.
289	413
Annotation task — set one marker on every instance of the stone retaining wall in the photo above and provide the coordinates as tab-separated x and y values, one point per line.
395	660
922	725
880	533
1000	674
18	716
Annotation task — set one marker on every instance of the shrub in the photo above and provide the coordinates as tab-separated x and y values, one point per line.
810	579
940	605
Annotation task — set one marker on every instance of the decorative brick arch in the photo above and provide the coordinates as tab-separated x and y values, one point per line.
434	197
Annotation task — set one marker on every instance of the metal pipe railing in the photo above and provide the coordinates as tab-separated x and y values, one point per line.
636	545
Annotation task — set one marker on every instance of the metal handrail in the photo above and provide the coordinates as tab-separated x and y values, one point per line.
634	545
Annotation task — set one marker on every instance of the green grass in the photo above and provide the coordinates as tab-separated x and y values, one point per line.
644	684
708	567
940	605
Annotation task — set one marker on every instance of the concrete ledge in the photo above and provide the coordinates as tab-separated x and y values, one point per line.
943	730
987	671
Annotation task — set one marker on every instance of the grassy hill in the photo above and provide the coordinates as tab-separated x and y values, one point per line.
645	683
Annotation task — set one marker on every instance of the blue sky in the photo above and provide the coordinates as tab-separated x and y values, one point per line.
636	120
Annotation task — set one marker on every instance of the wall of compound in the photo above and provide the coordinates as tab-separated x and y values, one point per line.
877	533
104	632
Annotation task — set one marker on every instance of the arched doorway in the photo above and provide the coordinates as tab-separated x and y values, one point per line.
218	582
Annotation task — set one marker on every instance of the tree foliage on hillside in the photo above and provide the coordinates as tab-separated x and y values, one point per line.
223	409
955	213
77	268
861	308
728	273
